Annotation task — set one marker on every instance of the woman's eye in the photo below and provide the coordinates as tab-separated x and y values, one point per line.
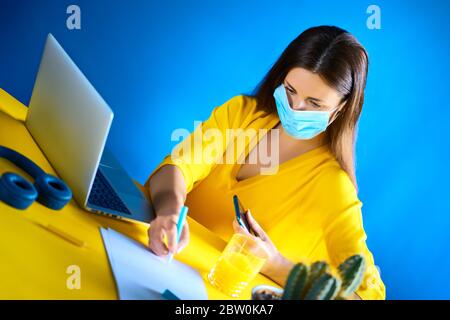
315	105
290	91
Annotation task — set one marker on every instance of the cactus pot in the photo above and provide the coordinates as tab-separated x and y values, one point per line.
266	292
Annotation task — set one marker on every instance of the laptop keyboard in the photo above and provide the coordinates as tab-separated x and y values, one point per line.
103	195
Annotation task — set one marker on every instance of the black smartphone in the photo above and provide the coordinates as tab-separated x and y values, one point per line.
244	218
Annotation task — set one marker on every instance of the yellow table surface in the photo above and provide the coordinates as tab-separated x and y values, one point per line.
34	262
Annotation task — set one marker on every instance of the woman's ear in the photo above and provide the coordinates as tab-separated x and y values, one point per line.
337	112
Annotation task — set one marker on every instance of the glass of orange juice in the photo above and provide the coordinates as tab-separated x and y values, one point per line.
239	263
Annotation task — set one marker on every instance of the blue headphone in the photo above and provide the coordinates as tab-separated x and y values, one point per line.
19	193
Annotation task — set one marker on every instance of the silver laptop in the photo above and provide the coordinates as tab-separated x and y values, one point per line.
70	122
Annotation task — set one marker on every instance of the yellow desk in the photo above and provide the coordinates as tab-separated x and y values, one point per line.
34	262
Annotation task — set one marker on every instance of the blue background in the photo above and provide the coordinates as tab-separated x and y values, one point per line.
161	65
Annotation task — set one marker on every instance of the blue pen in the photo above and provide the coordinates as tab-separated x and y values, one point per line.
180	224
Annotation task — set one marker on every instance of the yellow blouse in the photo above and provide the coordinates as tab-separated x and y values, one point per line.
309	208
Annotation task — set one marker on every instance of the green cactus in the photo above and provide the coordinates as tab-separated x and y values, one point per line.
334	290
351	272
296	282
315	271
325	287
317	282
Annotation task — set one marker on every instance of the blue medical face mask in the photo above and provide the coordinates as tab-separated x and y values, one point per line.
298	123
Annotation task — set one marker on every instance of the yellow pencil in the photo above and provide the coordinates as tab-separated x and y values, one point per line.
63	234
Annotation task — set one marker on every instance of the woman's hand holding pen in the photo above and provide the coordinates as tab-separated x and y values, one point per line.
168	194
165	226
277	267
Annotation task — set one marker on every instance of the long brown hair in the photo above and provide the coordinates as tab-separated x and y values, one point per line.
342	62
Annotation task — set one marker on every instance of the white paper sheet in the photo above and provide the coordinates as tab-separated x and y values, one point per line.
141	275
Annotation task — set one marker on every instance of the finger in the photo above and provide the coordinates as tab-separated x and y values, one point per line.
255	226
157	244
238	228
184	238
171	234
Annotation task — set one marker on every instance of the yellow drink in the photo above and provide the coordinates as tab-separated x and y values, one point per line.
239	263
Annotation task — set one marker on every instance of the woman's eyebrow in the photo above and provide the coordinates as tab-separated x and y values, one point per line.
309	98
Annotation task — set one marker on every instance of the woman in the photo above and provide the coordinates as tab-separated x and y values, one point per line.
308	208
